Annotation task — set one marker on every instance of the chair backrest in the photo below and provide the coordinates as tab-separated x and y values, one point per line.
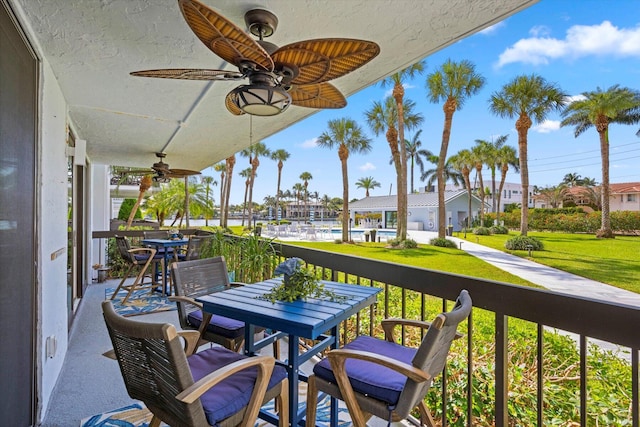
431	356
196	278
154	367
124	246
156	234
195	246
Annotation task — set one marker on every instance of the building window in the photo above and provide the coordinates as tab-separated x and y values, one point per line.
631	197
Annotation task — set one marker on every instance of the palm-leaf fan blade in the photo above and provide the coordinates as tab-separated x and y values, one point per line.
222	36
321	95
322	60
190	74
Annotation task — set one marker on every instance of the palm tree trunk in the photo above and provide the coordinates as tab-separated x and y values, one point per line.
401	231
186	201
503	178
278	189
605	227
482	195
522	126
467	181
449	108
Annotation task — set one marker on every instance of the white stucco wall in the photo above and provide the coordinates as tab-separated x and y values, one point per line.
52	229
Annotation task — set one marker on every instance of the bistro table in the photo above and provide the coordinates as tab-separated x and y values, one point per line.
316	319
166	244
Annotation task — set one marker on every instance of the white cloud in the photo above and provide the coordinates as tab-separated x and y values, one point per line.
574	98
310	143
540	31
492	29
547	126
580	41
367	167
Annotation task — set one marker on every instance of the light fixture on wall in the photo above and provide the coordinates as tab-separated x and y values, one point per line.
263	97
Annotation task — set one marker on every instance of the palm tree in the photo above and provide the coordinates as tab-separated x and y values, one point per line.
397	80
588	182
554	196
384	116
463	162
599	109
279	156
480	154
246	174
253	153
221	167
368	183
450	173
145	183
298	188
452	83
208	181
224	213
528	98
506	157
491	160
572	179
305	177
416	154
348	137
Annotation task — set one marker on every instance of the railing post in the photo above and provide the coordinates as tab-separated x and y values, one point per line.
502	377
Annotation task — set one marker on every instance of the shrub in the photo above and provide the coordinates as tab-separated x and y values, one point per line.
499	229
125	210
481	231
403	244
443	243
520	243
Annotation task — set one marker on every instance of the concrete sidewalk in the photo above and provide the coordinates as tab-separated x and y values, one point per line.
550	278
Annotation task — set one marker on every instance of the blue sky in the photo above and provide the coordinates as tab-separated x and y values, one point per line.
579	45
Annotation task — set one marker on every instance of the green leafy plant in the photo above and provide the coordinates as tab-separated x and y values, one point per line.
298	283
523	243
443	243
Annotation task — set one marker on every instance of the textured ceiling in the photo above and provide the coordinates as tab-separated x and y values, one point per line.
92	45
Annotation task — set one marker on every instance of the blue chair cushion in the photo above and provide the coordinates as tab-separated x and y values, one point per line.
229	328
145	257
368	378
232	394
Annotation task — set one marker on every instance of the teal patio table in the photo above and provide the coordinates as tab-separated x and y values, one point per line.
165	244
316	319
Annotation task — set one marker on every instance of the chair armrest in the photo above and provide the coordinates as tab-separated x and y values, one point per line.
265	366
388	326
338	357
186	300
191	340
237	284
151	251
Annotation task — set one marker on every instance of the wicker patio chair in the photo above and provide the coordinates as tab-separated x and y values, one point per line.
200	277
213	387
385	379
140	258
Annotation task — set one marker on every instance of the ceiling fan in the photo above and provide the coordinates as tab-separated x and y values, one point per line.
297	73
161	171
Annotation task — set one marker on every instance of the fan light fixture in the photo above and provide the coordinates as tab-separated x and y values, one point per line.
261	99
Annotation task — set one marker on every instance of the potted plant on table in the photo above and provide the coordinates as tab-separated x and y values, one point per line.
298	283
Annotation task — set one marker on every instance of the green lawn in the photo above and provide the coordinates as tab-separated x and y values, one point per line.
612	261
425	256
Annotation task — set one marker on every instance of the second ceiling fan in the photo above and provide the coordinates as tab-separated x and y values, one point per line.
297	73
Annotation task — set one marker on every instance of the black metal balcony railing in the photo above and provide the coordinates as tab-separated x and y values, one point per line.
585	319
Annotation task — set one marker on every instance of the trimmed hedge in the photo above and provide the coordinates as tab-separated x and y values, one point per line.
571	220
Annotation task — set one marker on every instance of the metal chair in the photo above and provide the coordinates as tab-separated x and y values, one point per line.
213	387
140	258
200	277
385	379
